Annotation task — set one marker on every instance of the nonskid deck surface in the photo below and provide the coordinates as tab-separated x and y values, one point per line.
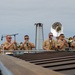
63	62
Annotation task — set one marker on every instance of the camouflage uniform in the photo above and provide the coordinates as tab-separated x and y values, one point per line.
49	45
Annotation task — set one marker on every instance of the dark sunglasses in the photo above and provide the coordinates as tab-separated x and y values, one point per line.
9	38
50	36
26	38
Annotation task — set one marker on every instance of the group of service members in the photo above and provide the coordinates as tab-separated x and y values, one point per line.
9	44
50	44
60	43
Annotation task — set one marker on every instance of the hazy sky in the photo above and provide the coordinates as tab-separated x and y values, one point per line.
19	16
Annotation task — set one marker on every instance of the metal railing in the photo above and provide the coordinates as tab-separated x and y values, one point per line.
17	52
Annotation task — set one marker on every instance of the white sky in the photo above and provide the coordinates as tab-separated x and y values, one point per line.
19	16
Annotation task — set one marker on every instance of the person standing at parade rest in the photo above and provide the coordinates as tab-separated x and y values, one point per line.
73	43
9	44
61	44
27	45
49	44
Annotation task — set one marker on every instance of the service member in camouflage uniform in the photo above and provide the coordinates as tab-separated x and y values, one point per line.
61	44
49	44
9	44
27	45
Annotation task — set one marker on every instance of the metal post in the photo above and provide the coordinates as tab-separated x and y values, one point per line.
39	36
10	35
